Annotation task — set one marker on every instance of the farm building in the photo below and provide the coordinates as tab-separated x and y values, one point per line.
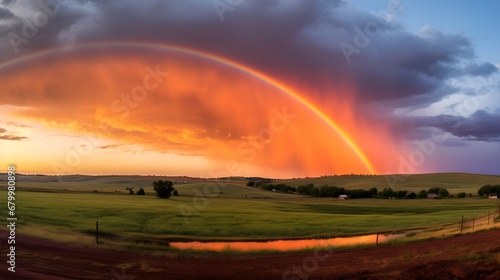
343	196
432	195
492	195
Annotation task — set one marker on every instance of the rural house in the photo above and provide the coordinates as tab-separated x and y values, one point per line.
343	196
432	195
492	195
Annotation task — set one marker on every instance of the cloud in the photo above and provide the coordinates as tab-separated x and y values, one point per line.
111	146
484	69
13	138
394	67
196	111
10	136
480	126
5	14
7	2
16	124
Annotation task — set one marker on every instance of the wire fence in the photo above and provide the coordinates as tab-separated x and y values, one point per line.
476	223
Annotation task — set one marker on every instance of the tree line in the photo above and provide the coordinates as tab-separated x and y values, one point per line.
334	191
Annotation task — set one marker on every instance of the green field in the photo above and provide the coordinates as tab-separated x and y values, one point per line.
68	210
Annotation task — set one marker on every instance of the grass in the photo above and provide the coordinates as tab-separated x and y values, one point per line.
68	211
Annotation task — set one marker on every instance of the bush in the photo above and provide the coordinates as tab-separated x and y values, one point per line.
443	192
461	195
422	194
141	192
250	184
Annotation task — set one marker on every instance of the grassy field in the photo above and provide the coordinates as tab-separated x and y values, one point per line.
69	210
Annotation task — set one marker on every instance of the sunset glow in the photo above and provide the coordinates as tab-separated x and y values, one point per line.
191	122
277	90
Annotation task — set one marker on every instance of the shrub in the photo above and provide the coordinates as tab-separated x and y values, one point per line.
444	192
422	194
141	191
461	195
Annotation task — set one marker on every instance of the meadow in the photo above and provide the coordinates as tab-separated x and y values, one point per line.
68	210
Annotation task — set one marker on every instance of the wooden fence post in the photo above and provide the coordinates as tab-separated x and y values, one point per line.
462	224
473	221
96	232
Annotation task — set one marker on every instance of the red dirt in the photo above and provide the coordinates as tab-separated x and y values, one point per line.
472	256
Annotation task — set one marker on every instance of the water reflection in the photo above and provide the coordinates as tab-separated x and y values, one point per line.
284	245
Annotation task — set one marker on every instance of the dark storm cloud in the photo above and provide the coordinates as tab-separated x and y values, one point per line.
480	126
484	69
294	38
6	14
7	2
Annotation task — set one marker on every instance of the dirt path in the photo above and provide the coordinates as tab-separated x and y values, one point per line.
474	256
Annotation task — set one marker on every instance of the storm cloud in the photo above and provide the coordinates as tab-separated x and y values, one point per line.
322	42
480	126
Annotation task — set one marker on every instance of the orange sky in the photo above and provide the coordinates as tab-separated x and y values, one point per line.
106	113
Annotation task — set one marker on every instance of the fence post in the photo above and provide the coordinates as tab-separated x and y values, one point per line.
376	242
96	232
462	224
488	217
473	221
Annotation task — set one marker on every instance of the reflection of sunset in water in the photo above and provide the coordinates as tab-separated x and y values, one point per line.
283	245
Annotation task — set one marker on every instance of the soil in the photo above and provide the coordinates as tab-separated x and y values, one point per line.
470	256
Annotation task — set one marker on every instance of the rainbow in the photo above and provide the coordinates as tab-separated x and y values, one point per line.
217	59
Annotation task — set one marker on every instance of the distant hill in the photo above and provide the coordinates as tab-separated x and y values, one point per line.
454	182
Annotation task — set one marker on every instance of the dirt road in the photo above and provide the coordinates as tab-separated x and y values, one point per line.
473	256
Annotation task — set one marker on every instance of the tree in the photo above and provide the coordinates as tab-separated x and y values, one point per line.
163	189
373	191
443	192
251	183
388	192
433	190
141	191
422	194
461	195
411	195
487	189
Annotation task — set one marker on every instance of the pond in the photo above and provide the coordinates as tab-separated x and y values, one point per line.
284	245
